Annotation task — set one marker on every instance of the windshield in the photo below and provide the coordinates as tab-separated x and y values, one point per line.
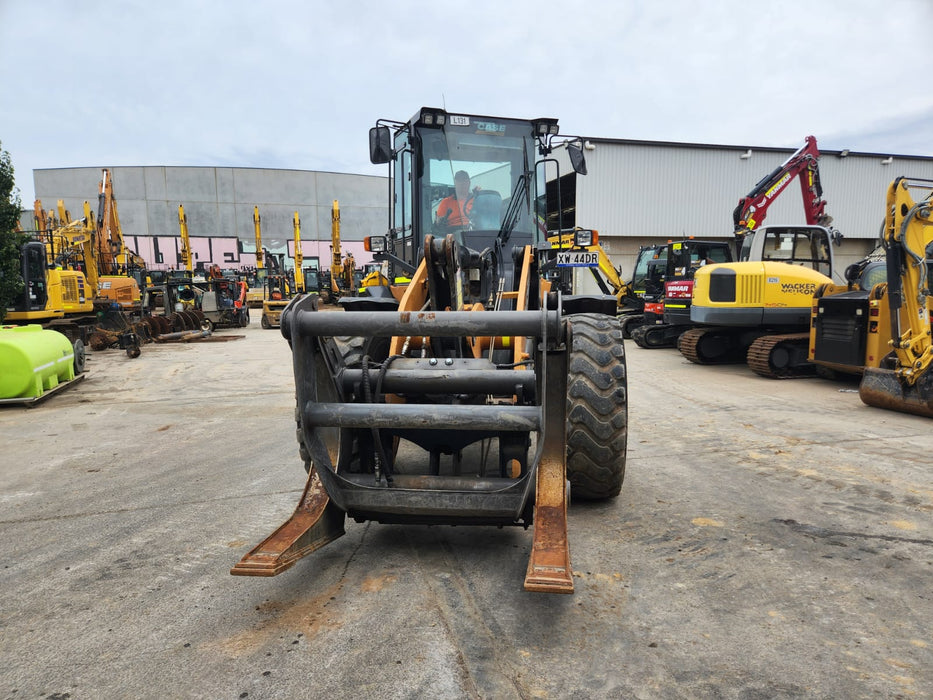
645	256
690	255
798	246
470	171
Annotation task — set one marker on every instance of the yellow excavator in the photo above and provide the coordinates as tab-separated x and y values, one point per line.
576	248
185	254
758	309
904	379
299	257
254	295
580	247
57	294
120	270
341	266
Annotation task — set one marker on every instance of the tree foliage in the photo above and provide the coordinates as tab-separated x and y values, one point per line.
11	280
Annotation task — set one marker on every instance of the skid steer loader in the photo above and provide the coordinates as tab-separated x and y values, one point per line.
474	398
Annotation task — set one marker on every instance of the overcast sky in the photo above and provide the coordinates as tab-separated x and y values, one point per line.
297	84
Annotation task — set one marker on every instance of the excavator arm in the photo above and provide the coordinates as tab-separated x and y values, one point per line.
753	207
908	242
109	239
336	265
908	234
299	258
610	282
260	261
185	240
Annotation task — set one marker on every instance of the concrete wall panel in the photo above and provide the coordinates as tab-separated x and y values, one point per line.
155	183
286	187
191	184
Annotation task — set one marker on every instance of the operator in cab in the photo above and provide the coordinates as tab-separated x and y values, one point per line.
454	210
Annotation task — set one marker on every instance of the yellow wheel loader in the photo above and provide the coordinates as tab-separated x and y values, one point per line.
475	398
904	379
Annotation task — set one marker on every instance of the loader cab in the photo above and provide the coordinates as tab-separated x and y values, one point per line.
502	204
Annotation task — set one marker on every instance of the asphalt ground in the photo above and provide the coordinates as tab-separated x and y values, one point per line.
773	539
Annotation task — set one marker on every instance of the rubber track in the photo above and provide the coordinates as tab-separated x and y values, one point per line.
650	337
597	407
688	344
690	341
760	352
631	323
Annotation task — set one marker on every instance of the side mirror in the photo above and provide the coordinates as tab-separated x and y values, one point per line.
380	145
577	161
853	272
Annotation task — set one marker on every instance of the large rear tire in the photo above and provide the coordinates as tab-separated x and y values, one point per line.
597	407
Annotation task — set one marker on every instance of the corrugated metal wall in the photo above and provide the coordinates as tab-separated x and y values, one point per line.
644	191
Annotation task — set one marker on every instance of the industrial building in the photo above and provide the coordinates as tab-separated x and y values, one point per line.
635	193
219	204
641	192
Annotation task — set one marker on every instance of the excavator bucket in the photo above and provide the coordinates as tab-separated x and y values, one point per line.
883	389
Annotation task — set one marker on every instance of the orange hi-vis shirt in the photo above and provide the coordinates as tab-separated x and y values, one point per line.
459	212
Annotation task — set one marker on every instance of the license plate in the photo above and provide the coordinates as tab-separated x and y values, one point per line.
577	258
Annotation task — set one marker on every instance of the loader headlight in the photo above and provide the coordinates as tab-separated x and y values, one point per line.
584	238
432	117
374	244
545	127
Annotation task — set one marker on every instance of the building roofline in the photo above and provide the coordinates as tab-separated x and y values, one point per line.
209	167
734	147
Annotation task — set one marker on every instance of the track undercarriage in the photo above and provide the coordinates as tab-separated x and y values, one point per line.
769	354
663	335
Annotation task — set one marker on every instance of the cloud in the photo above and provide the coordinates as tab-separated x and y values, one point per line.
297	84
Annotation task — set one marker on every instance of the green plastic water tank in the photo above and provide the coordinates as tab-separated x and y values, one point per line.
33	360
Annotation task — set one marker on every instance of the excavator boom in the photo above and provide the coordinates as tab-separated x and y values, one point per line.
753	207
185	240
260	262
299	258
